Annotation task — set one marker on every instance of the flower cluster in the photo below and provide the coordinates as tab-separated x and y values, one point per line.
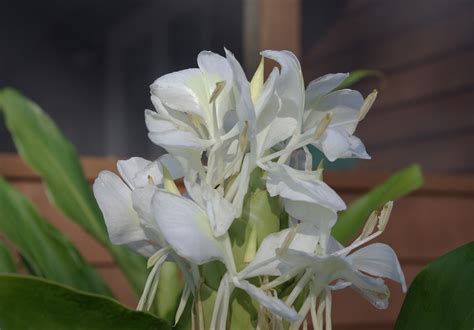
230	140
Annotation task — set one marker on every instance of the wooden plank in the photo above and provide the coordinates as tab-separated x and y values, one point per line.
422	228
428	80
425	42
14	168
360	180
441	154
426	119
280	25
378	20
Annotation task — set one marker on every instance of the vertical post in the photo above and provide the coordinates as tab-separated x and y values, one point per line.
270	24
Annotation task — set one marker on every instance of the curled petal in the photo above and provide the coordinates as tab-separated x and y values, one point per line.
181	90
301	186
323	86
379	260
115	202
337	144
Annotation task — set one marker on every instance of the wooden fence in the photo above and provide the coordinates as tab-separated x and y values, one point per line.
423	226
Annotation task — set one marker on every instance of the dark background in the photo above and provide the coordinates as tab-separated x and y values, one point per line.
89	64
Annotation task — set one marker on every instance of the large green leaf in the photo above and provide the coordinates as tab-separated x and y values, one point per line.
32	303
7	264
48	252
42	145
352	220
442	295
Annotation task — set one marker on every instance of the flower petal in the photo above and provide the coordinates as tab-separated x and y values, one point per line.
220	212
172	165
115	202
185	227
379	260
130	167
301	186
305	240
275	305
244	106
290	85
181	90
344	105
167	134
336	143
322	86
313	213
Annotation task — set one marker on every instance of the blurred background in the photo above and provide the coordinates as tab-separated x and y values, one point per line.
89	65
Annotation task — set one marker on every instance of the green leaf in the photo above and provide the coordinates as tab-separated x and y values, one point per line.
33	303
442	294
168	293
42	145
353	219
358	75
261	212
7	264
48	252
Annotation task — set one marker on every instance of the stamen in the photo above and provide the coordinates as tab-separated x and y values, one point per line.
182	303
217	91
150	180
288	240
323	125
385	215
369	225
328	302
368	102
244	137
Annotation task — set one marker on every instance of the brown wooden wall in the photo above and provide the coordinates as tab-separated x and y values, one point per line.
425	48
423	226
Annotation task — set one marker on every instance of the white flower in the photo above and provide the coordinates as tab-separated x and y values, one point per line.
126	206
195	231
326	262
346	108
220	130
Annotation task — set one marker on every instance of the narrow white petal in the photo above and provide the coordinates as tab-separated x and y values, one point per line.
244	106
322	86
185	227
290	85
274	305
115	202
379	260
